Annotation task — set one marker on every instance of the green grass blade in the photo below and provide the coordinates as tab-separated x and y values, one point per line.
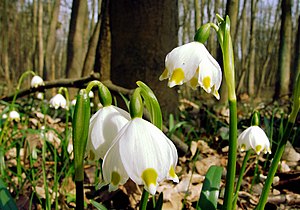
97	205
210	191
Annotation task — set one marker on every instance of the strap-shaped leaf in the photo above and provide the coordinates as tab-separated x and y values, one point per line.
210	189
6	200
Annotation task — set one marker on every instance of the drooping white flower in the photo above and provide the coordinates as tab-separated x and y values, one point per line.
104	127
193	64
254	137
141	152
40	95
36	81
58	101
91	94
14	115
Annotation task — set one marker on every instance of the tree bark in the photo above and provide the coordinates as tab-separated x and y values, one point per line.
297	55
75	45
40	39
284	60
103	52
143	32
51	40
252	49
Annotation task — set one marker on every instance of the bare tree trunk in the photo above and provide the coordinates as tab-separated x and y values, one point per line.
297	54
91	52
284	60
51	39
75	46
34	36
40	38
197	14
138	51
103	52
5	47
241	75
251	66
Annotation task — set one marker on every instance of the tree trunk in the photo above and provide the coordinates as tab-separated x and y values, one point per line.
75	46
284	60
197	14
40	39
51	39
103	52
297	55
252	48
143	32
242	74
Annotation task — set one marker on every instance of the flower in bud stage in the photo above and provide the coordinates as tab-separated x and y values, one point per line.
58	101
104	127
254	137
14	115
193	64
142	153
36	81
91	94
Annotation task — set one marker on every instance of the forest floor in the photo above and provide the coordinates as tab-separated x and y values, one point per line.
203	127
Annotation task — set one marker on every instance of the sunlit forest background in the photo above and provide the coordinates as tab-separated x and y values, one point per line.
69	43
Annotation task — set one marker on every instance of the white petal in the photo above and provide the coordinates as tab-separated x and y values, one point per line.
112	164
36	81
104	126
147	142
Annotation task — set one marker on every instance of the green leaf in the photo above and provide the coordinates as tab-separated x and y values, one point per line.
97	205
152	104
210	190
6	200
159	202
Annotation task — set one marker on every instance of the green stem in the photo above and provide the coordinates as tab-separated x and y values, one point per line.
48	202
273	168
239	182
79	195
231	167
144	200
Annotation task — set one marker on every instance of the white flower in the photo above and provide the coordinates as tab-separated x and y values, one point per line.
192	64
254	137
91	94
40	95
104	127
36	81
142	153
4	116
58	101
73	102
14	115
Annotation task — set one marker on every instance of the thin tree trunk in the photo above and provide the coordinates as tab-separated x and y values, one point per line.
40	38
241	75
75	46
91	53
103	52
297	55
251	67
197	14
51	38
284	60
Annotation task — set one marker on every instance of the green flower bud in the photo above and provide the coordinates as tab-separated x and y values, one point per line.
203	33
136	104
81	121
255	120
104	95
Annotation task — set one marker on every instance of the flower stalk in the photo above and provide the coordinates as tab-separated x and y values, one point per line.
280	149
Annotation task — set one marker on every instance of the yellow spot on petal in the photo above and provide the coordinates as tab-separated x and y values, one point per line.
206	82
177	76
243	147
91	155
258	149
194	82
149	176
172	172
164	75
115	178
